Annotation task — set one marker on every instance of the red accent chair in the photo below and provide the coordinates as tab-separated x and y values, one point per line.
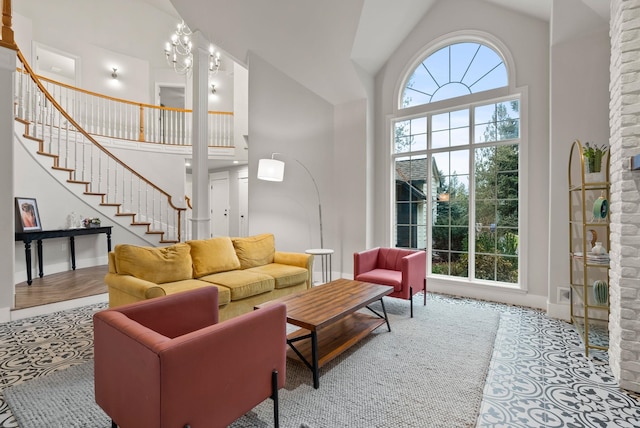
167	362
404	270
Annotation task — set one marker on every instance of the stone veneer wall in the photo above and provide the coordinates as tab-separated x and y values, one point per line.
624	120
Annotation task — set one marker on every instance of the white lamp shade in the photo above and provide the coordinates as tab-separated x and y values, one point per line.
270	170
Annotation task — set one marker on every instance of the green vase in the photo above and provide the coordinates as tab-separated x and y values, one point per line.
601	292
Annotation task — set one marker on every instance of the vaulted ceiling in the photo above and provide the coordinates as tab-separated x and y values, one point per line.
325	45
317	43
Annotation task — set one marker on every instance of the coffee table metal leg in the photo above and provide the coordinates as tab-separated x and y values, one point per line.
384	311
314	358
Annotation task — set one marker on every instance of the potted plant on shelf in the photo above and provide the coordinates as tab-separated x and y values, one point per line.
593	155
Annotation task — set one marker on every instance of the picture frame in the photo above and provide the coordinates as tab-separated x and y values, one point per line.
27	215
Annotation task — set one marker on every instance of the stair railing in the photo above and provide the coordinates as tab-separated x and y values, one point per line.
74	150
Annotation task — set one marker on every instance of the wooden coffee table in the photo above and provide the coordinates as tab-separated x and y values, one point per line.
329	321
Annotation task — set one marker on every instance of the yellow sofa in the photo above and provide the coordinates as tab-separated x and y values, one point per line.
247	271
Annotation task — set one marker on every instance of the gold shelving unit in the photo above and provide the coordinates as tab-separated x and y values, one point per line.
586	226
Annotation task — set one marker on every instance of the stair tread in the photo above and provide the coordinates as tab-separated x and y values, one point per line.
78	182
51	155
125	214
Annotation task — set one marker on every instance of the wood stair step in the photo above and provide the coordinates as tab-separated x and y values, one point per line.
140	224
94	194
60	168
125	214
108	204
51	155
29	137
78	182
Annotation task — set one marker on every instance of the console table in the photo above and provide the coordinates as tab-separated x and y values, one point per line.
28	237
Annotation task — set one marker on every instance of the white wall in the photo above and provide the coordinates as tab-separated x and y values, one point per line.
579	109
349	182
527	39
287	118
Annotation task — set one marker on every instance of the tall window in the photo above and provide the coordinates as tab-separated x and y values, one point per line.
457	170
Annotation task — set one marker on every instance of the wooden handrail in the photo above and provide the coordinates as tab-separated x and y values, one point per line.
152	111
121	100
8	40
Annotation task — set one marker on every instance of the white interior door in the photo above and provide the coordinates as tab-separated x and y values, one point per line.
219	201
243	205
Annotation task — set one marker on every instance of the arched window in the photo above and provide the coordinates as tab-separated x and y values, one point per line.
453	71
457	165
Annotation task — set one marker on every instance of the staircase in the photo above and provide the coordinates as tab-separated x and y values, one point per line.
87	168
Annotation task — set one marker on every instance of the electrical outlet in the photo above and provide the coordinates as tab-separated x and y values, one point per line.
564	295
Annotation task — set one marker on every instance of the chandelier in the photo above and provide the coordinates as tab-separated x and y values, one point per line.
179	55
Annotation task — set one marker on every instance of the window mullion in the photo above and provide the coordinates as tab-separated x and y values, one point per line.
472	196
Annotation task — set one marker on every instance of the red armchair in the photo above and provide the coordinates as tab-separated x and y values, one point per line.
166	362
404	270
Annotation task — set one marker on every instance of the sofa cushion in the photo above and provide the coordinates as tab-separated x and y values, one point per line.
242	283
154	264
212	256
224	294
284	275
392	278
255	250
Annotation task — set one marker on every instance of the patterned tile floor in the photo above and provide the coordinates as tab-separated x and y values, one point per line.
538	376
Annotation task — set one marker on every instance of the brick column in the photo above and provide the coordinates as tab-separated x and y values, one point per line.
624	120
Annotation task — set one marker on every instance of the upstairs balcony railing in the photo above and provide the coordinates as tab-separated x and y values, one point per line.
113	117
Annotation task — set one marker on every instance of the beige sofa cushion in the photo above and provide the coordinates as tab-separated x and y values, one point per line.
242	283
212	256
255	250
224	294
154	264
284	275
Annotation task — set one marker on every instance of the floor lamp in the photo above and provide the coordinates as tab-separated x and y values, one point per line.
273	170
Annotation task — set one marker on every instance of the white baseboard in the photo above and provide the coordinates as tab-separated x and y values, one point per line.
559	311
5	315
58	306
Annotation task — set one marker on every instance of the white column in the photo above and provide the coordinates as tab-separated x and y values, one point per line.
201	219
7	222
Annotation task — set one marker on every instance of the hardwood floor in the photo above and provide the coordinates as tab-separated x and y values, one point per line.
61	286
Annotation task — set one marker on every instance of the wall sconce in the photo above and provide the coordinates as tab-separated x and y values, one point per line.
115	73
213	88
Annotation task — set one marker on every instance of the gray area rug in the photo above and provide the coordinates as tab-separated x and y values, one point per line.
429	371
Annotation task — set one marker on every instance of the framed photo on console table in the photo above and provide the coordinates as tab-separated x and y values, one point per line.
27	215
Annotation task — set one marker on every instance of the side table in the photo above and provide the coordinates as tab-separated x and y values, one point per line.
325	257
